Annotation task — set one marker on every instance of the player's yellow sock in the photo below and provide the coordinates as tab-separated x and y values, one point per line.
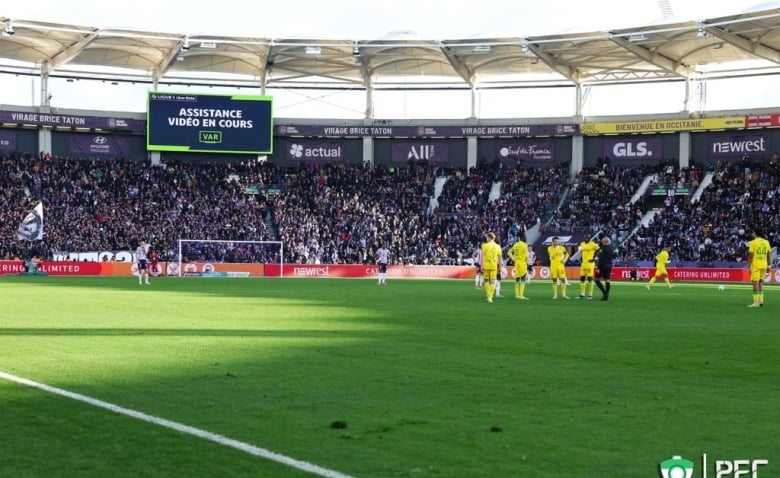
517	288
668	284
755	298
555	289
591	288
521	287
489	290
652	281
582	288
761	297
563	288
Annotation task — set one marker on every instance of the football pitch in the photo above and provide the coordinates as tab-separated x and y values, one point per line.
229	377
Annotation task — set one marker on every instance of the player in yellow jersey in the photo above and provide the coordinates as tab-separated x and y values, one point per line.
500	275
491	259
519	255
758	262
660	267
558	257
588	250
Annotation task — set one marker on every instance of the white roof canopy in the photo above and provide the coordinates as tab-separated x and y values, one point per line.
730	46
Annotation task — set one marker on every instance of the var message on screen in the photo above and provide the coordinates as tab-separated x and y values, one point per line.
209	123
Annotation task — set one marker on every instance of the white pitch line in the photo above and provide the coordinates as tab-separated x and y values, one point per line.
222	440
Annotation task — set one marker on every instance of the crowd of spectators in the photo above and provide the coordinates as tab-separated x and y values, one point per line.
523	198
341	213
338	213
716	228
529	196
111	204
600	200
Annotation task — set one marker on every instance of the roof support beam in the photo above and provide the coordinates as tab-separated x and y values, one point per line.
568	72
369	101
67	54
579	101
753	47
473	102
365	75
460	68
169	59
45	96
651	57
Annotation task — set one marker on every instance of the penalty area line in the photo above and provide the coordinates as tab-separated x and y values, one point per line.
220	439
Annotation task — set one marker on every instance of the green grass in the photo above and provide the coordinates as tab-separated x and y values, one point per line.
431	380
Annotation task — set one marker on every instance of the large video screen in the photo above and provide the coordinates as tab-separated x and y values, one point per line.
209	123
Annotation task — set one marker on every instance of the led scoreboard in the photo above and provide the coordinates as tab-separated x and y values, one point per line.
209	123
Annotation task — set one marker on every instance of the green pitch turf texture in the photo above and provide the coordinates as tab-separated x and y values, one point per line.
425	378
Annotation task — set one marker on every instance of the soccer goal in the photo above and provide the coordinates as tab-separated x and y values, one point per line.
207	257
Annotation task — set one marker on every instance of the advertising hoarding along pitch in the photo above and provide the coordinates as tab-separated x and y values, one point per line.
209	123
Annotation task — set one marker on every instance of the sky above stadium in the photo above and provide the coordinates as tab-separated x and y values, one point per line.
361	19
368	20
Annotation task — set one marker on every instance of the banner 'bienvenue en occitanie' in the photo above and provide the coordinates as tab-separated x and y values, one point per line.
662	125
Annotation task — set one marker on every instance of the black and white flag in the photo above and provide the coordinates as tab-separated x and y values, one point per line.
31	228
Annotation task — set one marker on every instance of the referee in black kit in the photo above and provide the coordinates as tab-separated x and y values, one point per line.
606	254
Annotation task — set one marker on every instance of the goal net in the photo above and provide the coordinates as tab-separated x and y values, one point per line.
206	257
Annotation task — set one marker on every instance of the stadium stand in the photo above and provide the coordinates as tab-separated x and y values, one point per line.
339	213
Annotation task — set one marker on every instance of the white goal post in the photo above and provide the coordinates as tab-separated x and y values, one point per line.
197	257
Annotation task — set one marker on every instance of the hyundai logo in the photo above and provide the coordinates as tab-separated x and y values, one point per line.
100	140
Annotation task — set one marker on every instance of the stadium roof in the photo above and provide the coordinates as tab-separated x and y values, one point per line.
747	43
